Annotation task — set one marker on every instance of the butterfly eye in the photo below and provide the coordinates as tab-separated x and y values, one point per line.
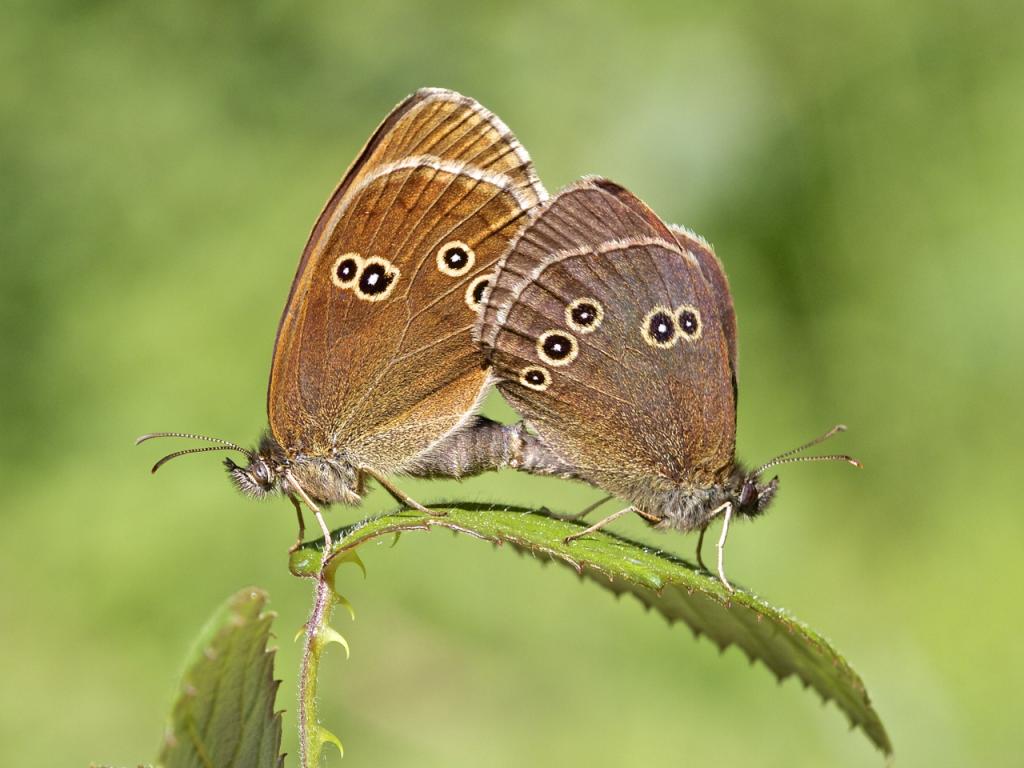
377	279
748	494
689	322
535	377
345	269
455	258
476	293
659	328
557	348
262	473
584	315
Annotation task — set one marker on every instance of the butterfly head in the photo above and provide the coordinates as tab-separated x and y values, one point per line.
690	508
259	477
269	469
263	474
750	497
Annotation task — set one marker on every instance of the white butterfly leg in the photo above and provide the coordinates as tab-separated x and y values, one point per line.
727	509
309	503
599	524
398	494
577	516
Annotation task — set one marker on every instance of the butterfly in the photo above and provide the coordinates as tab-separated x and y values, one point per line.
375	371
614	336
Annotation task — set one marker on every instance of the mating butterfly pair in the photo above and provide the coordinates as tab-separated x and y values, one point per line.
439	264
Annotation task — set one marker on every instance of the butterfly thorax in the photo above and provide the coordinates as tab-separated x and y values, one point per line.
692	507
325	479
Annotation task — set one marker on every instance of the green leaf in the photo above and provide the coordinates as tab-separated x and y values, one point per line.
224	715
677	589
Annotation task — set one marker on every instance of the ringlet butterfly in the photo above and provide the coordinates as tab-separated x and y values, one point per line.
614	336
375	371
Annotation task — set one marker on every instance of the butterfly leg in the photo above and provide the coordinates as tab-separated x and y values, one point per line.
700	546
302	524
584	512
599	524
727	509
399	495
309	503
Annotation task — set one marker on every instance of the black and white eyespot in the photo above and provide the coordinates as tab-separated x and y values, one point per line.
455	258
659	328
377	279
690	324
584	315
345	269
535	377
557	348
476	292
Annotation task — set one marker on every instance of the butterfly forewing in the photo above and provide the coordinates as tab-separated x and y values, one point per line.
374	353
619	385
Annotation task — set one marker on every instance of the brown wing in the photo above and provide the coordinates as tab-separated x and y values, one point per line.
714	273
374	355
573	329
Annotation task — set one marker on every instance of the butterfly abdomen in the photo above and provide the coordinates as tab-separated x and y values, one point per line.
481	445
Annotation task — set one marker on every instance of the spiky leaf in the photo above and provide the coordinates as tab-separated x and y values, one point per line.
673	587
224	715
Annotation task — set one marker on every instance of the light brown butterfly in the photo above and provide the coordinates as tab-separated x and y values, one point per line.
375	371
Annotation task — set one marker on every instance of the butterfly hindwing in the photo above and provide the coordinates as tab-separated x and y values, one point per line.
714	273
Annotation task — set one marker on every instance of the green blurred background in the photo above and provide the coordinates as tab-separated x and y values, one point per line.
858	167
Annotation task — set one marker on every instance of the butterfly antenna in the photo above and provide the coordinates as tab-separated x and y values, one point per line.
789	458
188	436
222	445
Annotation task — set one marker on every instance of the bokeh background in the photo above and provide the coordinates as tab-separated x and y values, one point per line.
858	167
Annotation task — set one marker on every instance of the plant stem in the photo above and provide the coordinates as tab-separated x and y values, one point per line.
310	732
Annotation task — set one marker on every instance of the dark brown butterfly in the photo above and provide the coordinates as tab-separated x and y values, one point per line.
375	371
614	335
